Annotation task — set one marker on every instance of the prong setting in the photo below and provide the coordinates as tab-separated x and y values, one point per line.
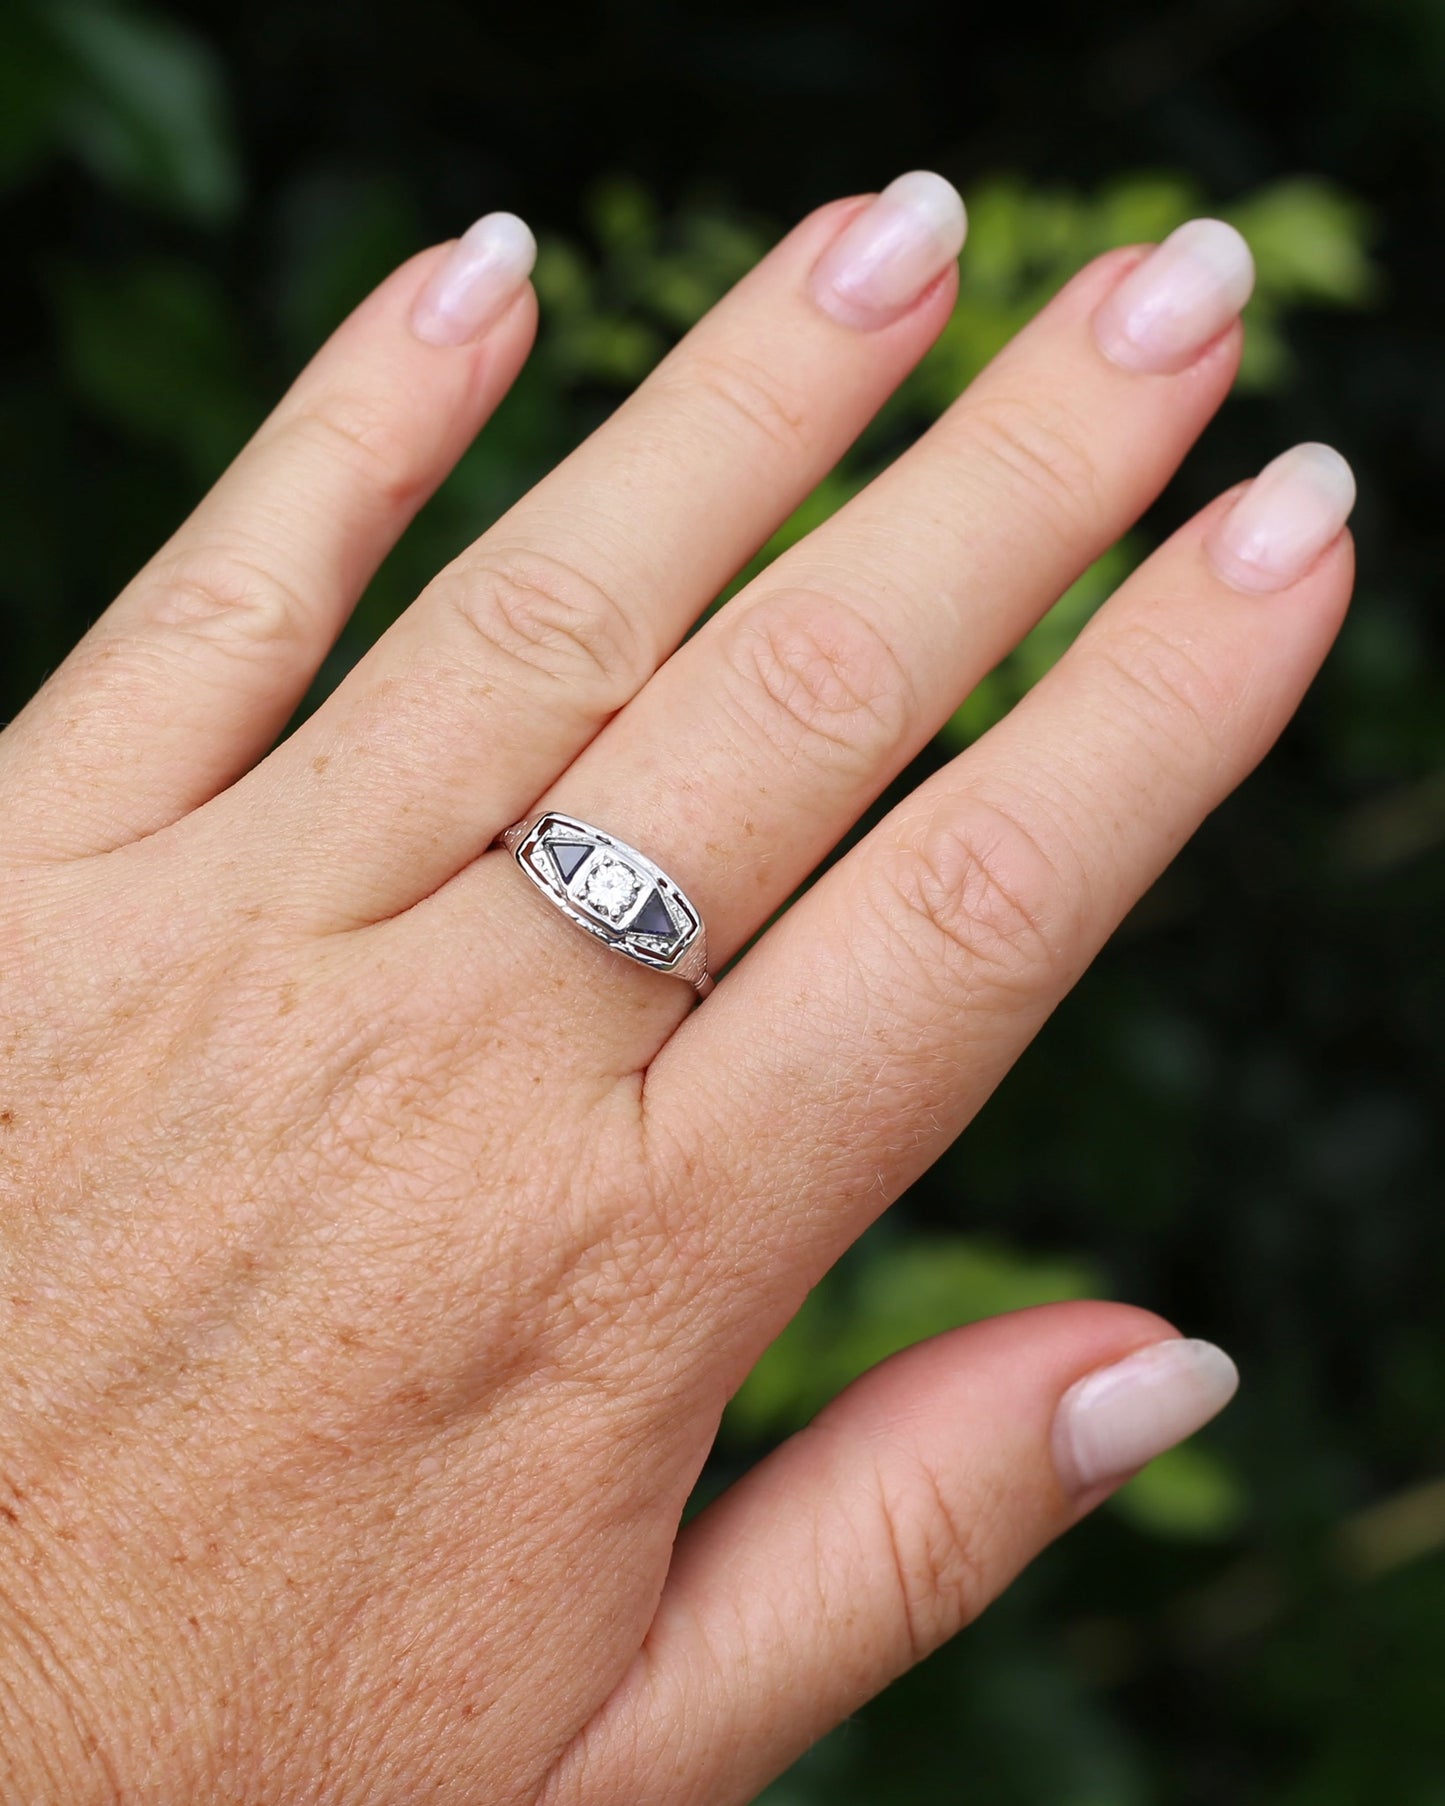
616	893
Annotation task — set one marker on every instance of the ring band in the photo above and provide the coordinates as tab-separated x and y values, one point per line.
614	892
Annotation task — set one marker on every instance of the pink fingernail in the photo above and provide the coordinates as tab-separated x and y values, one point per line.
1291	511
1117	1418
900	243
1178	300
477	280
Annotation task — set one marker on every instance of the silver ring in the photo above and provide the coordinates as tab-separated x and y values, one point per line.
614	892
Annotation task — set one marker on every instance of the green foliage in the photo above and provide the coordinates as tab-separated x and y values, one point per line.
892	1291
1235	1119
991	699
886	1295
1190	1492
135	98
610	314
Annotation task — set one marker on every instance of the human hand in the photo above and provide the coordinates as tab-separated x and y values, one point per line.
379	1251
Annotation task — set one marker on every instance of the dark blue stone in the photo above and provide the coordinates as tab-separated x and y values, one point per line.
653	918
567	855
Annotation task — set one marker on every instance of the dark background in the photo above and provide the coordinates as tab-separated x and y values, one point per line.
1236	1118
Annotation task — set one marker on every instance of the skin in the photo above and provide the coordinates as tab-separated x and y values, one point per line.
379	1252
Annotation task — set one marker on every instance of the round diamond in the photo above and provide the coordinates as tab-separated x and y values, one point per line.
609	887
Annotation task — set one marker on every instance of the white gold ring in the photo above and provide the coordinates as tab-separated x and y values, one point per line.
616	893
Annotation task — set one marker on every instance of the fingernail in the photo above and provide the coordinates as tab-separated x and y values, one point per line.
900	243
1291	511
1178	300
1114	1420
477	279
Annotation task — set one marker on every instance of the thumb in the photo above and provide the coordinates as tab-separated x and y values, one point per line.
874	1534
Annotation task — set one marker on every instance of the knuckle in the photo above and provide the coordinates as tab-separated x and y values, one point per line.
750	395
1176	697
976	893
536	610
937	1561
1036	450
221	594
819	681
375	443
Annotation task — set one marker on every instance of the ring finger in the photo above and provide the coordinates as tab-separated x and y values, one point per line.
747	757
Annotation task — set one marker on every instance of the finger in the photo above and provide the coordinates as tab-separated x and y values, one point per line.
511	660
190	675
850	1046
877	1533
773	728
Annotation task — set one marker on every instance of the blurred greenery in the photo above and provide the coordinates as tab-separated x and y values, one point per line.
1236	1118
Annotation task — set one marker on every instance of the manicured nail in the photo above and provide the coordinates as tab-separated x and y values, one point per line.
477	279
1291	511
900	243
1178	300
1114	1420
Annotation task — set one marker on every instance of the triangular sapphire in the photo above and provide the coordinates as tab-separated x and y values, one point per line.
567	855
653	918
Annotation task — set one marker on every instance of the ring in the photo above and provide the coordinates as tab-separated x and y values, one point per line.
614	892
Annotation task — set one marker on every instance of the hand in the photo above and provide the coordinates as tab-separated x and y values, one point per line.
380	1251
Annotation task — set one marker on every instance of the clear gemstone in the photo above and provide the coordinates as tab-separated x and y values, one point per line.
609	887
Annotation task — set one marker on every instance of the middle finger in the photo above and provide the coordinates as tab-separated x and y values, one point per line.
516	654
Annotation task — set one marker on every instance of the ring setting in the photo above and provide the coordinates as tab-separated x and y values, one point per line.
613	891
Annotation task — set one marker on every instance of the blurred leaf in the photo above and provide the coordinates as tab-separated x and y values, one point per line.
147	110
610	349
918	1287
1308	240
1188	1493
1266	363
839	486
679	292
623	215
894	1296
562	277
998	233
584	339
1141	209
1040	649
724	245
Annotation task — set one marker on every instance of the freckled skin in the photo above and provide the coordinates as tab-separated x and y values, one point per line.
293	1128
379	1252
